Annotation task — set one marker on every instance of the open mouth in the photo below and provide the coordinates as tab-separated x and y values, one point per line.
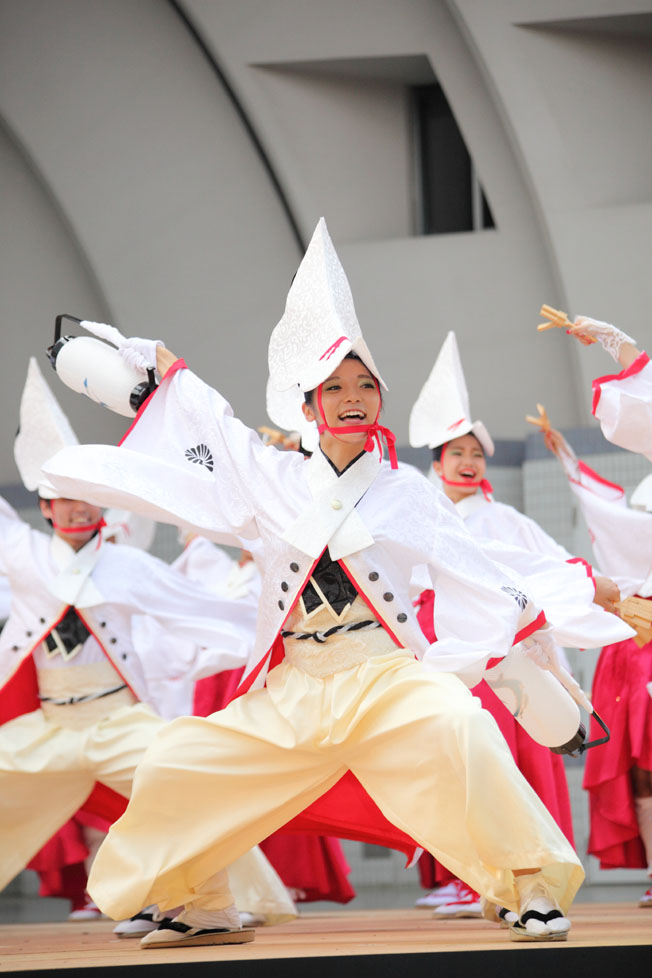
467	474
354	416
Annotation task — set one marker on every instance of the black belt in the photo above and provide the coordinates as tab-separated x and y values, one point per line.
355	626
81	699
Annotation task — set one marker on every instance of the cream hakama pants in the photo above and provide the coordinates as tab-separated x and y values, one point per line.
433	761
49	768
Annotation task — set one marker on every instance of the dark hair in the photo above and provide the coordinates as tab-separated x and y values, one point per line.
307	395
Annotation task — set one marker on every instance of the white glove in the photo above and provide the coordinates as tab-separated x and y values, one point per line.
139	354
607	335
542	649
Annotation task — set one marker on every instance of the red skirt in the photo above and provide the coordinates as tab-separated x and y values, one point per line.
621	699
60	863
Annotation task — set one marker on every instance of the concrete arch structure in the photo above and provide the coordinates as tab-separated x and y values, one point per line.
134	191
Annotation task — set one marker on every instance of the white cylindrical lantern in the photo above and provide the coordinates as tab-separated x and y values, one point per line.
91	367
535	699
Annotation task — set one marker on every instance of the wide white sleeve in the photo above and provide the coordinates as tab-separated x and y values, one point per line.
186	460
185	609
621	537
622	403
507	524
206	563
566	593
478	609
171	666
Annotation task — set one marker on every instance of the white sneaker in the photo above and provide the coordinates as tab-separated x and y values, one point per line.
87	911
646	899
439	896
466	904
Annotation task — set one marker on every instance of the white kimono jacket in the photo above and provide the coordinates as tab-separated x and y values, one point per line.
187	460
109	584
622	403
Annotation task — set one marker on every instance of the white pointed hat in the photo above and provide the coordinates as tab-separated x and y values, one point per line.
641	498
319	325
129	529
442	410
44	430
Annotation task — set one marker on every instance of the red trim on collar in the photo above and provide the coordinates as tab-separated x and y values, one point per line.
638	364
179	364
110	658
276	652
369	604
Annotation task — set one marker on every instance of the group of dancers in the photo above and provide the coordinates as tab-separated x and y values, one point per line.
379	665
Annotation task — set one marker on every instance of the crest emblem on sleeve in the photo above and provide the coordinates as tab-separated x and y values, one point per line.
200	455
520	598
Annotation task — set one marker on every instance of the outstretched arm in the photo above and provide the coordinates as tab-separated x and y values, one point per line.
617	343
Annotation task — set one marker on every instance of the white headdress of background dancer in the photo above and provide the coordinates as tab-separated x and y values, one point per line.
317	330
442	410
44	430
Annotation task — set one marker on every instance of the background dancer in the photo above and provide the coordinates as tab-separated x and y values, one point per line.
76	693
441	419
618	777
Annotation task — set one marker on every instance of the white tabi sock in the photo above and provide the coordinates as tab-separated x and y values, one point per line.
534	895
197	914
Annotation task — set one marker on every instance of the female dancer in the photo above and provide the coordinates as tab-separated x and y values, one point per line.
334	684
441	410
618	778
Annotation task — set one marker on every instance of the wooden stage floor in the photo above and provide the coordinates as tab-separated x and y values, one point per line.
605	937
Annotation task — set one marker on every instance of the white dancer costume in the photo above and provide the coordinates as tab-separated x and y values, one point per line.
441	419
71	615
374	704
619	780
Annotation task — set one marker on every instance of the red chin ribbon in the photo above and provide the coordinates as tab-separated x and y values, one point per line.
82	528
376	433
484	484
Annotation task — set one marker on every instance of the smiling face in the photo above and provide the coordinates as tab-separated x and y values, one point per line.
67	514
462	462
349	397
